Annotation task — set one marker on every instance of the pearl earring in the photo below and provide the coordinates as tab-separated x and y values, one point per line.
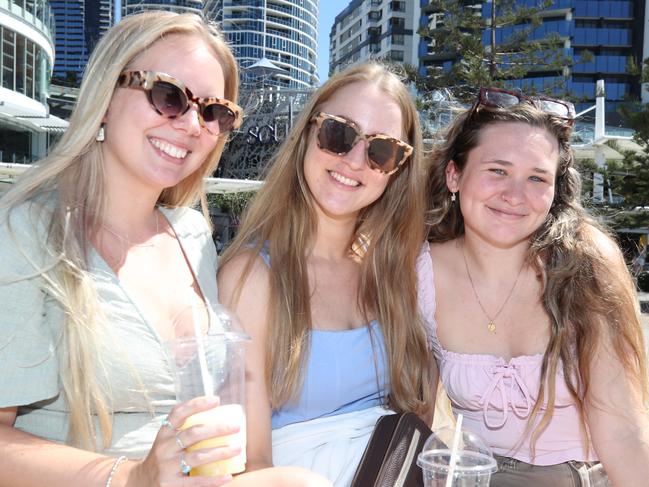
453	198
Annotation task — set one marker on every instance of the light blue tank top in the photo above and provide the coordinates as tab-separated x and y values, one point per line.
345	372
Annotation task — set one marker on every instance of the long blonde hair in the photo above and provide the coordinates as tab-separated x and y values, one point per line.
283	218
586	300
73	175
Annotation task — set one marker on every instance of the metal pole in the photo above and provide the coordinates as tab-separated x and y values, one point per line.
600	125
600	97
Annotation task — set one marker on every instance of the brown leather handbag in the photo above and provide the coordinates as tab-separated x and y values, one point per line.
390	458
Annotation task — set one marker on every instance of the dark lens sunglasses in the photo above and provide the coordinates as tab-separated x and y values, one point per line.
171	98
500	98
338	136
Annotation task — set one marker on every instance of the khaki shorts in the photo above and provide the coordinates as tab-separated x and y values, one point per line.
514	473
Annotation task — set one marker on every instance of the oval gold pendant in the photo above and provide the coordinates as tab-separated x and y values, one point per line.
491	327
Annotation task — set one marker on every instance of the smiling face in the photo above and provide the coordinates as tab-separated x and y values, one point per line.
147	149
507	186
343	185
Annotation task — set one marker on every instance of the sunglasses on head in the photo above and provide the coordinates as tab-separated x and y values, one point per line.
338	136
500	98
171	98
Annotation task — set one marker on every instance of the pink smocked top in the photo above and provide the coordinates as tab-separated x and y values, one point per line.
496	396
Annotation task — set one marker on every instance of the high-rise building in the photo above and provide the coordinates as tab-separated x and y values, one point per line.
180	6
602	36
274	38
369	29
26	58
70	39
79	25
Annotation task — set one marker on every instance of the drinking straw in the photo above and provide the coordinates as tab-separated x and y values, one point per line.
454	450
206	378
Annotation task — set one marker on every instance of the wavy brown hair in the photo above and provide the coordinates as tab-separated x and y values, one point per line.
586	300
282	217
72	175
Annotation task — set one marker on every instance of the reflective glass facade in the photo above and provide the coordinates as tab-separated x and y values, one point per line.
25	66
71	49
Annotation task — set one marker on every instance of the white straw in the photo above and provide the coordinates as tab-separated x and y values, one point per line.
208	389
454	450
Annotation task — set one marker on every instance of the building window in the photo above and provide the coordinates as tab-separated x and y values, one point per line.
396	55
398	6
398	23
8	58
375	15
398	39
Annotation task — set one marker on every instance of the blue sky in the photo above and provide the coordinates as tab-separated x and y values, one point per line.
328	11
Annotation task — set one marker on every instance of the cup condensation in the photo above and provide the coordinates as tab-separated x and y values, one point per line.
224	361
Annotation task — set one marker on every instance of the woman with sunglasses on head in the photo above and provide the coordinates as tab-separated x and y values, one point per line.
321	275
100	257
531	311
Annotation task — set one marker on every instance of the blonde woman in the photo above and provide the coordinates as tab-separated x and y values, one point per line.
322	276
531	310
101	255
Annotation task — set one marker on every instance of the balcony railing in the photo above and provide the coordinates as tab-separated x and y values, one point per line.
36	12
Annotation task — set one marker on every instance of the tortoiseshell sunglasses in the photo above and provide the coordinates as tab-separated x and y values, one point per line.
338	136
171	98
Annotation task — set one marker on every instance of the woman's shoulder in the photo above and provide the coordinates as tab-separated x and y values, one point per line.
604	244
246	260
24	227
245	270
185	219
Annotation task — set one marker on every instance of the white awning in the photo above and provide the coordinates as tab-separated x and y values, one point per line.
30	119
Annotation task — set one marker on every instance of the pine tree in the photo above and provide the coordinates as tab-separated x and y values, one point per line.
469	49
630	177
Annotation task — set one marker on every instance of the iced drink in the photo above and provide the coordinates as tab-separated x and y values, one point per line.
228	414
214	365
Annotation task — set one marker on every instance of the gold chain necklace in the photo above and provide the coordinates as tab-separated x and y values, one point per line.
491	326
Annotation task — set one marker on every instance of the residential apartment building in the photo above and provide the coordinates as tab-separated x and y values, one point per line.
370	29
601	36
282	34
26	59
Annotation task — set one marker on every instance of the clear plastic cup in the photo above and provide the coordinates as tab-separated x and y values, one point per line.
223	349
474	466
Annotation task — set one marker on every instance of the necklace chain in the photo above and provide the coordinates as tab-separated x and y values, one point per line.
127	240
491	326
